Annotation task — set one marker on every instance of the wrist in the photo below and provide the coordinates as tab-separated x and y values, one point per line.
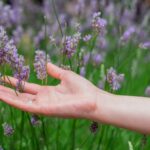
104	104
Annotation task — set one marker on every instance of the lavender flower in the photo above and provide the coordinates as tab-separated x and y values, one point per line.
70	44
9	55
145	45
86	58
101	84
98	23
127	34
94	127
113	79
8	130
86	38
97	59
3	41
147	91
102	43
17	34
80	6
82	71
40	64
10	15
35	120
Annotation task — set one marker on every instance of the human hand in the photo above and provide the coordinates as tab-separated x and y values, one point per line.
73	97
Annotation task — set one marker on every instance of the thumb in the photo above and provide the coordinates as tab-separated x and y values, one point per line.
54	71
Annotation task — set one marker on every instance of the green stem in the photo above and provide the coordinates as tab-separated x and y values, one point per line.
73	134
34	138
57	134
44	134
22	128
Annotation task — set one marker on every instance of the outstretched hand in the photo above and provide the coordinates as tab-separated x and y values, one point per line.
73	97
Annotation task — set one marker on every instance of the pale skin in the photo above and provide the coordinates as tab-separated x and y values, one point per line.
76	97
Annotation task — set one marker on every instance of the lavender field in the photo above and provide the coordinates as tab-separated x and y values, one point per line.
102	40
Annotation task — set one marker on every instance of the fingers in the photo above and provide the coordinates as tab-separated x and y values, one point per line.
54	71
11	91
27	87
20	102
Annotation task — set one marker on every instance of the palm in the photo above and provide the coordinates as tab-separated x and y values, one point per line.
65	99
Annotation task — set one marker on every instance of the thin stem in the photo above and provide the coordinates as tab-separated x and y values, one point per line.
34	138
46	49
22	128
73	134
54	8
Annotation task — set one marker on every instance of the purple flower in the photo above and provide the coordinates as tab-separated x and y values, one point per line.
86	38
10	16
94	127
102	42
8	130
101	84
3	41
80	7
86	58
98	23
114	79
127	34
70	44
147	91
97	59
35	120
17	34
82	71
40	64
9	55
145	45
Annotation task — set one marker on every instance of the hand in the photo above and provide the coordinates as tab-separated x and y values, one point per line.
73	97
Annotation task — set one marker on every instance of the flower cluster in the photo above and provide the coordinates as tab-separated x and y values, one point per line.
114	79
8	129
40	64
70	44
9	16
98	23
9	55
